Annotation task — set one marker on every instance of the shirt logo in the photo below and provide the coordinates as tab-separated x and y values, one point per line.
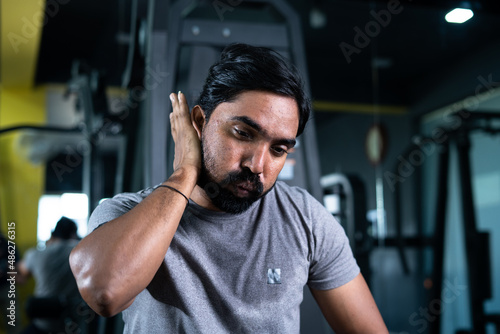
274	276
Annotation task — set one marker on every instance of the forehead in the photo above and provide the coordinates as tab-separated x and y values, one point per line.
273	112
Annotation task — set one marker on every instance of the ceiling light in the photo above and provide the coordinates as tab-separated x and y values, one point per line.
459	15
317	18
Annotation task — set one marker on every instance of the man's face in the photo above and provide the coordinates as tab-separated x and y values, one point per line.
244	148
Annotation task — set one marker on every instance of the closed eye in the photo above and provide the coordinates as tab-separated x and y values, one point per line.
242	134
279	151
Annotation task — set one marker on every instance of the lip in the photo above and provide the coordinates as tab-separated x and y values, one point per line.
244	189
245	186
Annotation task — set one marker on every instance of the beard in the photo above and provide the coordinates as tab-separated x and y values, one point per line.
219	191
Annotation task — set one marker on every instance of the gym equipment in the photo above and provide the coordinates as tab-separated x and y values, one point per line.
476	242
345	198
101	131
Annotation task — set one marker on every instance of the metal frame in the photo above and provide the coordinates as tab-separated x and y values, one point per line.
157	103
164	53
476	242
355	224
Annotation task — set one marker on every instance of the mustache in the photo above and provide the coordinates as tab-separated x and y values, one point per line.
244	176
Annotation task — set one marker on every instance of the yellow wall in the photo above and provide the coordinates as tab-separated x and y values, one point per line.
21	24
21	182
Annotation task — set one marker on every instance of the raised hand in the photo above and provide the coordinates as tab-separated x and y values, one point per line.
187	143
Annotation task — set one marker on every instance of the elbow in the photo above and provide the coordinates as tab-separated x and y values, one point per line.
102	302
94	288
100	298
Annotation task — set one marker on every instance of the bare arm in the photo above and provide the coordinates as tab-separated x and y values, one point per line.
115	262
350	308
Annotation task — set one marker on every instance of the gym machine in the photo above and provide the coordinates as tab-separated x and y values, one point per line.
476	242
345	198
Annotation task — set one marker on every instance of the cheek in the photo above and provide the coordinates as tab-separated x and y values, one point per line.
272	171
221	154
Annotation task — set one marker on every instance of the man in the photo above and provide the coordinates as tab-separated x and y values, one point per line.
236	256
56	293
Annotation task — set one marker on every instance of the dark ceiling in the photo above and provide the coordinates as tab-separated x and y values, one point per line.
416	41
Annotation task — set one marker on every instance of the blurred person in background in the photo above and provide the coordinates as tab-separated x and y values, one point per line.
56	295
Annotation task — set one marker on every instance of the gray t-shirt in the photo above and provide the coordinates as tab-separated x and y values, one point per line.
242	273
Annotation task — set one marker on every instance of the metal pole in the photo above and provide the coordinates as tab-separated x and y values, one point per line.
439	231
470	233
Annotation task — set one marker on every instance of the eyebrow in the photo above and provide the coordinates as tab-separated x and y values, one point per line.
251	123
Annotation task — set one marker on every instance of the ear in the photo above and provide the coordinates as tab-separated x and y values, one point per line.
198	119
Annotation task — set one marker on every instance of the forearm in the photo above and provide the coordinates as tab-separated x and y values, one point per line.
118	260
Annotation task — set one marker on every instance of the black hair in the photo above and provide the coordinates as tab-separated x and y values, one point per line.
243	67
65	229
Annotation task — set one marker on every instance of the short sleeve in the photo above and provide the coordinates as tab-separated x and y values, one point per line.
115	207
30	259
333	263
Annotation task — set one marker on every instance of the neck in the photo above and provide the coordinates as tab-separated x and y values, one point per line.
200	197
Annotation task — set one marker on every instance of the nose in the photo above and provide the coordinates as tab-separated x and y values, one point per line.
255	160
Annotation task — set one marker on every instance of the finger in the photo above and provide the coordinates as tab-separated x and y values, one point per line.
183	106
174	100
179	112
175	106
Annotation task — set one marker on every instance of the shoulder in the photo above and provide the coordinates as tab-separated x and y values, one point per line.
282	190
127	199
30	257
31	252
116	206
298	198
300	205
296	205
